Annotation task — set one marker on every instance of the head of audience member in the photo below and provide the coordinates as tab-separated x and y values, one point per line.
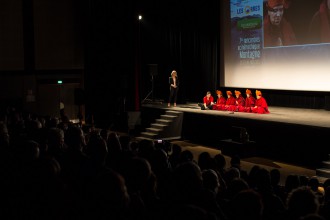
146	148
229	93
220	161
301	202
110	193
326	183
211	180
105	134
263	181
275	176
189	211
113	143
235	161
258	94
187	179
97	149
248	93
174	157
231	174
326	194
55	141
52	122
314	184
74	137
137	173
204	160
275	10
186	156
313	217
292	182
28	150
303	180
247	204
253	174
125	141
235	186
160	162
4	136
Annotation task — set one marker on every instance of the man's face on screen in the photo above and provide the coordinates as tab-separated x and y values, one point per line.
276	14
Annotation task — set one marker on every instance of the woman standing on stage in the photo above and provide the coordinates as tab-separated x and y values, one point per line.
174	87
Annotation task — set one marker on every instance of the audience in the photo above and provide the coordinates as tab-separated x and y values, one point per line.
100	174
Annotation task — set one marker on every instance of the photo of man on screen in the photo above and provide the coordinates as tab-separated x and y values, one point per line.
277	30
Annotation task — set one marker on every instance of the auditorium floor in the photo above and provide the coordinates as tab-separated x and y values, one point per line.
248	162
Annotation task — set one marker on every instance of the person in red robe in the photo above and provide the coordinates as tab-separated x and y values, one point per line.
208	101
249	101
239	103
261	106
319	29
277	30
221	101
229	102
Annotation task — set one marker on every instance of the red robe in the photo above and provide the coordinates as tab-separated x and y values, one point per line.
250	102
261	106
221	101
208	101
239	104
229	102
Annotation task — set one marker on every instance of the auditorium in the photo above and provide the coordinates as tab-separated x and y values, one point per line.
101	70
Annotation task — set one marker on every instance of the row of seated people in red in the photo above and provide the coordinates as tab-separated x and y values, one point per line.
238	104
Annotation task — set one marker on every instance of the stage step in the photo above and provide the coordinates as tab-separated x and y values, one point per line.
326	164
168	117
174	113
163	121
159	126
150	135
153	130
168	126
322	172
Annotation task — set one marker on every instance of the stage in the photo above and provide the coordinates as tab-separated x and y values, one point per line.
294	135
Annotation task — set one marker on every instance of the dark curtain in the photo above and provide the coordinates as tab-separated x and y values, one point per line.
185	37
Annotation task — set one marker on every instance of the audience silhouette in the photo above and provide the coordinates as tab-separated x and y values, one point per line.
51	171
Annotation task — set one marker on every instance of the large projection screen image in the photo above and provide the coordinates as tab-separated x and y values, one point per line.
278	44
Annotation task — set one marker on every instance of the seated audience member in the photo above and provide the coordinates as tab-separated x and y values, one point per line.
221	101
239	102
249	101
301	202
230	101
208	101
261	106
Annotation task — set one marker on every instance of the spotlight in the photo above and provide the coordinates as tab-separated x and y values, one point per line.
140	17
